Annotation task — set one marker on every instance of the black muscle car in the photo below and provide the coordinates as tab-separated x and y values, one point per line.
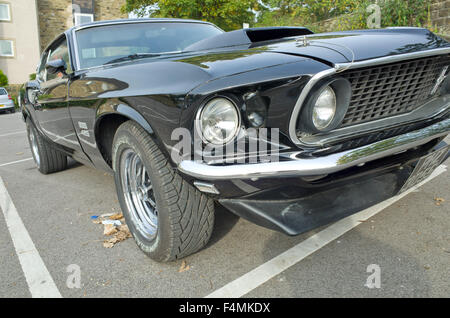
286	128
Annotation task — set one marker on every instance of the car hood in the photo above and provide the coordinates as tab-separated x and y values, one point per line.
199	67
345	47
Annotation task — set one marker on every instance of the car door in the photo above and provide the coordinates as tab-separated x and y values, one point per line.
51	103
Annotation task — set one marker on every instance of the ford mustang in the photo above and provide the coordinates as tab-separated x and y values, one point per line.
286	128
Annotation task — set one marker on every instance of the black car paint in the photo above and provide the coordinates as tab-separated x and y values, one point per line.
145	91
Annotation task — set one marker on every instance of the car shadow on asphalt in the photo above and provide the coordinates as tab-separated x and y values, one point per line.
71	163
224	222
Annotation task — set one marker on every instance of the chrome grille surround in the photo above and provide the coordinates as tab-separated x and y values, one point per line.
355	66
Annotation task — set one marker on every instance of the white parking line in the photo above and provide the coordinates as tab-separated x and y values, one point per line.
13	133
39	281
14	162
275	266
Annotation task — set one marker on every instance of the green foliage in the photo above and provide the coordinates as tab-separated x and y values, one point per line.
32	76
405	13
346	14
227	14
315	10
3	79
15	101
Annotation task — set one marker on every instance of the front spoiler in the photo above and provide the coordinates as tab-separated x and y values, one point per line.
319	165
325	204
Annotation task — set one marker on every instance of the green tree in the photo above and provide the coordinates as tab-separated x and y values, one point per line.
227	14
303	12
318	10
283	7
3	79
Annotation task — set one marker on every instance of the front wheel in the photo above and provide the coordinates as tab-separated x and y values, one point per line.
168	218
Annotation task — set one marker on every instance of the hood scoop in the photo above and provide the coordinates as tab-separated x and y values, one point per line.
248	37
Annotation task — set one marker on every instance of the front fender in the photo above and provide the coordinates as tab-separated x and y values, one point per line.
125	111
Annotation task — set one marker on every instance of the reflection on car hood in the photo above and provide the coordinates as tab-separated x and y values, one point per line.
344	47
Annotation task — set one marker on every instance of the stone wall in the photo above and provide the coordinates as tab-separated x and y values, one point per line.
55	16
440	16
109	9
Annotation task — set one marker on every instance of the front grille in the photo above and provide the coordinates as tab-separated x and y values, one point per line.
392	89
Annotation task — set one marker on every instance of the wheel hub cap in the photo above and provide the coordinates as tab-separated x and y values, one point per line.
138	192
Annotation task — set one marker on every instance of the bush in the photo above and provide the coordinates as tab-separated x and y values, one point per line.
3	79
15	100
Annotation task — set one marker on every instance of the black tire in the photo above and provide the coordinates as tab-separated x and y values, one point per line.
12	111
47	159
185	215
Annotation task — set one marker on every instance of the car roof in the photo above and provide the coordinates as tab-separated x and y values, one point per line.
139	20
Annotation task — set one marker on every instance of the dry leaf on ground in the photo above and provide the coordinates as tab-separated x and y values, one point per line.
115	227
117	216
184	267
439	201
122	234
109	229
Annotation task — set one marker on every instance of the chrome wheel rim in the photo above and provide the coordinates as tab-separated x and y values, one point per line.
34	147
139	195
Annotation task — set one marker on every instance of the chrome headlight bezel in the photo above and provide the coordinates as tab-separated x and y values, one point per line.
342	90
199	120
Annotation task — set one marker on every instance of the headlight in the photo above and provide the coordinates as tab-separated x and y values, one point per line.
219	121
324	108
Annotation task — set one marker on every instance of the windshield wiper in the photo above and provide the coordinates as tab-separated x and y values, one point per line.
133	57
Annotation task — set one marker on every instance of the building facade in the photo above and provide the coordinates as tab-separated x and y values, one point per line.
19	39
28	26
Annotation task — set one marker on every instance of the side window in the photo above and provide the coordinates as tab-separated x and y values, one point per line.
60	51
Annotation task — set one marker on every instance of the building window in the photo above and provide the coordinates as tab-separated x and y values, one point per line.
5	14
82	18
7	48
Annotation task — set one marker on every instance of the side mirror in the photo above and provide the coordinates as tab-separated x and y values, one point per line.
56	66
31	92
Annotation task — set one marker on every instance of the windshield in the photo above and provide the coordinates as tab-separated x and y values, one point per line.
3	91
103	44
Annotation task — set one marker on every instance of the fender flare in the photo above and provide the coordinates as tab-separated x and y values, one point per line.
126	111
129	113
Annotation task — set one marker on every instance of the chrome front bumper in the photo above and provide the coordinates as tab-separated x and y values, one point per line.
320	165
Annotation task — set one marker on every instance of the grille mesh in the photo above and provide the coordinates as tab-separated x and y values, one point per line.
393	89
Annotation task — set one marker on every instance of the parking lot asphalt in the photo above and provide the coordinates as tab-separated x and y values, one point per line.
409	241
